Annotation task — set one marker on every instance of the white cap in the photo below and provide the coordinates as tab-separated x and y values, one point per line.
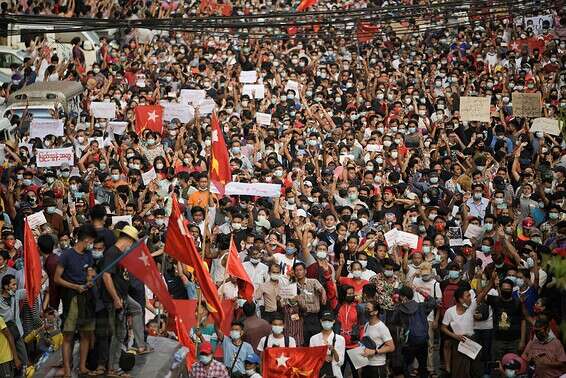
301	213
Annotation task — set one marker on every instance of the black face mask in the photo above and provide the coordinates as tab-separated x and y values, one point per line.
349	298
506	294
541	336
342	193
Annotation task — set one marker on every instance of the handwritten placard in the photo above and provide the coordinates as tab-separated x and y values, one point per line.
248	189
292	85
174	110
40	128
36	219
526	104
103	109
117	127
207	106
248	77
121	218
546	125
474	108
55	157
148	176
192	96
256	91
263	118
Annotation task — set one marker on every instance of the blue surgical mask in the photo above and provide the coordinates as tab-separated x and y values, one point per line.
235	335
453	274
290	250
486	249
205	359
97	255
327	325
51	209
277	330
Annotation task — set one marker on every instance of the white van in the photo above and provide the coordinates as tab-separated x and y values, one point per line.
20	34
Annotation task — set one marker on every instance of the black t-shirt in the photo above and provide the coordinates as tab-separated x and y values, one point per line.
119	275
390	214
507	316
106	235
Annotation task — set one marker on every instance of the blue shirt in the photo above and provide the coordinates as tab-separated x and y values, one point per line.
230	351
531	297
75	265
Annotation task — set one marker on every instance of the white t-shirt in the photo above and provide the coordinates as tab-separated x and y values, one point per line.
461	324
273	341
427	286
380	334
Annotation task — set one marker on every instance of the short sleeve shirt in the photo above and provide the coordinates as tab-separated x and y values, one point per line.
75	265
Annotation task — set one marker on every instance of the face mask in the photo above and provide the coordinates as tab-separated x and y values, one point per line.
426	249
321	255
488	226
290	250
434	180
102	166
65	174
97	255
432	216
254	261
394	154
426	277
506	294
51	209
275	277
205	359
327	325
151	142
235	335
64	245
237	226
387	143
357	274
277	330
115	177
453	274
50	180
486	249
553	216
278	173
541	336
353	196
388	273
27	182
159	165
250	372
363	263
477	196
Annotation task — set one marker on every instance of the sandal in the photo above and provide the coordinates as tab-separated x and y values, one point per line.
88	373
96	373
146	350
118	374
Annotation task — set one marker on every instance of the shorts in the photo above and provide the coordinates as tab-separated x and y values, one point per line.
72	319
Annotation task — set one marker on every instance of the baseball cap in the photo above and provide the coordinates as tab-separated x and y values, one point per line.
301	213
327	315
206	348
252	358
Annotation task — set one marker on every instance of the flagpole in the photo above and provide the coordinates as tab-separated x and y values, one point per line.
116	261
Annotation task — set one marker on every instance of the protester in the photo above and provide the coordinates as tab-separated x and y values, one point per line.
362	169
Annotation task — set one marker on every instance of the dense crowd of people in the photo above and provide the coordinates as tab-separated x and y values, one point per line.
367	145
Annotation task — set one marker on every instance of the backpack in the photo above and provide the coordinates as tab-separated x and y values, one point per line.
448	298
417	328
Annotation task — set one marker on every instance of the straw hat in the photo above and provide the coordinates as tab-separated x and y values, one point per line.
130	231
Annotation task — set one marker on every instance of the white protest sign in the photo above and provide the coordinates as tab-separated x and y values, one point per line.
250	189
469	347
288	291
36	219
473	232
103	109
263	118
115	127
256	91
40	128
408	239
193	96
292	85
357	357
182	112
207	106
248	77
121	218
546	125
55	157
474	108
391	237
148	176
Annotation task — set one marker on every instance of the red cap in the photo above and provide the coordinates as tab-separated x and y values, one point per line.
206	348
528	222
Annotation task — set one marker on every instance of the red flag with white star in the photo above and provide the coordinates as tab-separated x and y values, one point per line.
302	362
32	265
140	264
234	268
220	172
149	117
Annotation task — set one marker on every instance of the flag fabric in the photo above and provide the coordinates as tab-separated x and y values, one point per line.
149	117
183	336
366	31
305	4
180	245
220	172
301	362
234	268
141	265
32	265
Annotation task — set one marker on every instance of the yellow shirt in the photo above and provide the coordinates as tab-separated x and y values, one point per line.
5	351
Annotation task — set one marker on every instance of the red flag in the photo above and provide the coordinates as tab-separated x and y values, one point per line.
141	265
234	268
366	31
32	265
179	244
149	117
184	339
302	362
220	172
305	4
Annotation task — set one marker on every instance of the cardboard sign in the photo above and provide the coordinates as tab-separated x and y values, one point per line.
193	96
474	108
248	77
148	176
546	125
473	232
263	118
103	109
526	104
55	157
116	127
182	112
40	128
250	189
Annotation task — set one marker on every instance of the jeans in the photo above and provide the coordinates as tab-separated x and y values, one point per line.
484	337
501	347
119	329
410	352
311	326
